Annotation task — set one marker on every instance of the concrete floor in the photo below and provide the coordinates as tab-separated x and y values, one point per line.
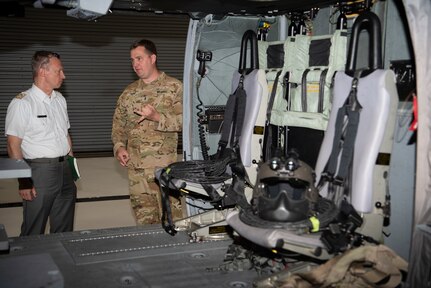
100	177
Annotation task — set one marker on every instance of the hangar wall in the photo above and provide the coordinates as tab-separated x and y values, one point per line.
96	60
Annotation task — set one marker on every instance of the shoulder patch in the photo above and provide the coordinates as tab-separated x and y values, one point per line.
21	95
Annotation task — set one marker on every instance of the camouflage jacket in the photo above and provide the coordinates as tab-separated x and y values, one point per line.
150	144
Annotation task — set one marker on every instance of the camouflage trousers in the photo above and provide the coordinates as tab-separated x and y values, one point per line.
145	198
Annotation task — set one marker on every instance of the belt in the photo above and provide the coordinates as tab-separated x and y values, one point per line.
46	160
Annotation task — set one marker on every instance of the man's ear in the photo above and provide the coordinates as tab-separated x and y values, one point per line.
41	72
153	58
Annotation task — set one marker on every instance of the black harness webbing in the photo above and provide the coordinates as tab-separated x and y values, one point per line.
166	219
304	90
346	140
322	82
233	118
272	97
287	86
231	132
346	127
269	133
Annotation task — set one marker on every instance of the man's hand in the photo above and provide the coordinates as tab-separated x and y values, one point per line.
25	188
28	194
122	156
148	112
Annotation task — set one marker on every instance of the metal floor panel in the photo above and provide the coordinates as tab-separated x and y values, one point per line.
141	256
124	245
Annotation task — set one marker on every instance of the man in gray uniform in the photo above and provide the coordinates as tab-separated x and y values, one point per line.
145	129
37	127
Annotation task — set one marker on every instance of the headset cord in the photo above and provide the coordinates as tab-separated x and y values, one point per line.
201	127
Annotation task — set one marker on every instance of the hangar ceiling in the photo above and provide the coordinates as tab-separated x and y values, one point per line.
195	8
223	7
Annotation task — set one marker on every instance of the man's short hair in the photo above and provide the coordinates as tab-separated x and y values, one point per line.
41	59
147	44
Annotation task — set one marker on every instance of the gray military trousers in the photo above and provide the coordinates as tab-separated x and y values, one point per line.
55	197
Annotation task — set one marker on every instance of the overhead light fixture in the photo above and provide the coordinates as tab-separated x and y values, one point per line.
90	9
81	9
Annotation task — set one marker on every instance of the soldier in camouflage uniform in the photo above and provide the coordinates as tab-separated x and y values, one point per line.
145	127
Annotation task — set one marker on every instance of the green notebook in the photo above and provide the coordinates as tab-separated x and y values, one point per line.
74	167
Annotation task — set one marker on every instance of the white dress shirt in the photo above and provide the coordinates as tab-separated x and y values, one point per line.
41	121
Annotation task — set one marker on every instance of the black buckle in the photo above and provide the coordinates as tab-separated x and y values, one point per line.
338	181
327	177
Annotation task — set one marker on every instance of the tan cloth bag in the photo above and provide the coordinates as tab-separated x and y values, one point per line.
365	266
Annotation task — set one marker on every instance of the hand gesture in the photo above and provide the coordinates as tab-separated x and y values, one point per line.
148	112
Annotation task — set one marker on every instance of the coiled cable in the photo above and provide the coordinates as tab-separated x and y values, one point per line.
201	128
210	171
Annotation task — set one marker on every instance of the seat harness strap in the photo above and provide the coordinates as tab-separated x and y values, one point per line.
346	128
268	137
233	118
